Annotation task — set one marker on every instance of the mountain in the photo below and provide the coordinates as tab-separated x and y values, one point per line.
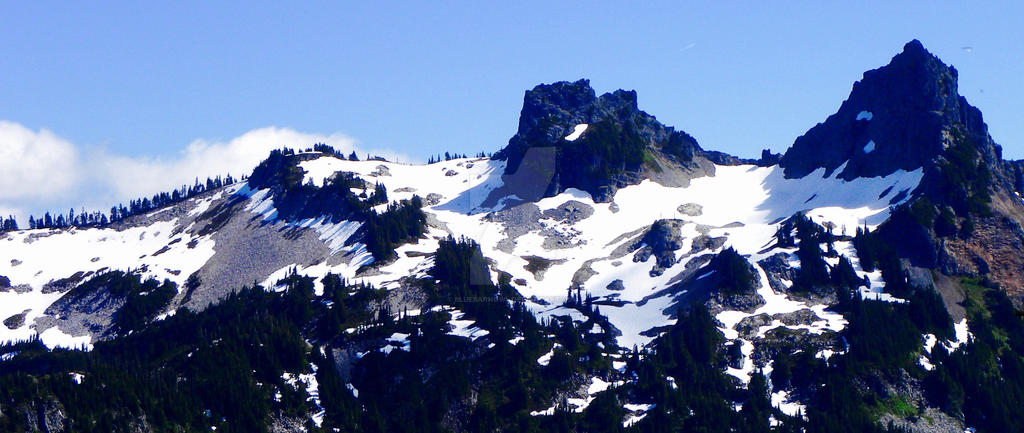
601	272
908	115
597	144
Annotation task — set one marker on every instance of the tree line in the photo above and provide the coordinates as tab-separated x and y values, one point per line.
120	212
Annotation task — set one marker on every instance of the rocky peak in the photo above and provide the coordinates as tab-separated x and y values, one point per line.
618	145
897	117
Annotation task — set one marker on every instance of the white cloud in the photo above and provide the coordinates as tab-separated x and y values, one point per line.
143	176
34	164
41	171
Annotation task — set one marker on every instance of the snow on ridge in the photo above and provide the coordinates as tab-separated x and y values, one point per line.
759	196
53	338
865	115
577	131
34	258
870	147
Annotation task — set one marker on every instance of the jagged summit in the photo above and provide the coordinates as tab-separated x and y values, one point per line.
897	117
598	143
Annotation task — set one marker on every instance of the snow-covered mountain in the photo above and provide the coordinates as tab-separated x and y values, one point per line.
593	203
233	237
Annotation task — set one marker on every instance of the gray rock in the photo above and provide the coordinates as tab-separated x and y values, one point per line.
279	423
85	310
733	354
704	242
517	221
248	249
570	212
932	420
538	265
20	288
777	269
662	240
800	317
432	199
691	209
783	339
44	416
746	302
16	321
65	283
748	327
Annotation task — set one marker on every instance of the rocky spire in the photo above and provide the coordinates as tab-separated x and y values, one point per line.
610	151
897	117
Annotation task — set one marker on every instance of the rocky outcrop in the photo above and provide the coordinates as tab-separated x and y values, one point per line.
295	200
620	145
908	115
727	282
44	416
15	321
894	119
662	241
88	309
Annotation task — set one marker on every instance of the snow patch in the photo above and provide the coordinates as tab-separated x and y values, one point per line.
780	399
53	338
312	390
870	147
963	335
577	131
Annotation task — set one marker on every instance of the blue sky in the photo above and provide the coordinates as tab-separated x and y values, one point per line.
162	87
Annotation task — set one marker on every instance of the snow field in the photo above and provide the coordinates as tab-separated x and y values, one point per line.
37	257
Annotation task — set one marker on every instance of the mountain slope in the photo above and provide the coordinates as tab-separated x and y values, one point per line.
601	272
908	115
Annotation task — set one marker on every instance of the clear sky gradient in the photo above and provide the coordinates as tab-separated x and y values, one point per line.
420	78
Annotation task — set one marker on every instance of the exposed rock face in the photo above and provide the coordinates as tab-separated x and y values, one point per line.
64	284
662	241
721	286
15	321
570	212
1016	170
247	251
903	108
749	326
293	200
783	339
691	209
621	144
44	416
88	309
908	115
